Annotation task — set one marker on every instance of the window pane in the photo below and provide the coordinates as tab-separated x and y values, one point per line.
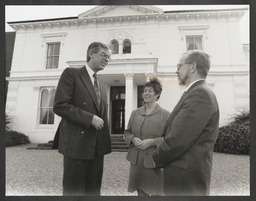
57	49
44	98
115	47
194	42
49	63
43	115
127	47
118	116
114	93
46	106
50	49
51	116
190	43
119	120
118	93
122	93
55	62
53	53
52	95
198	43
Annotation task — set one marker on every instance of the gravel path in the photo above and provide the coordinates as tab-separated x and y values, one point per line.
39	173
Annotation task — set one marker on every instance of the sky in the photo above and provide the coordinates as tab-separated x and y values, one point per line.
23	13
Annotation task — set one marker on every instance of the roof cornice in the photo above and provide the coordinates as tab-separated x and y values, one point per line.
227	14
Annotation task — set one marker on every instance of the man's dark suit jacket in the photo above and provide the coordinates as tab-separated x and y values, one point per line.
76	102
191	132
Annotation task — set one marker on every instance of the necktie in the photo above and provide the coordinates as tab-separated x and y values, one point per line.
96	87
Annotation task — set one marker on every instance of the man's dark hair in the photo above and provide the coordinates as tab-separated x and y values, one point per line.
94	48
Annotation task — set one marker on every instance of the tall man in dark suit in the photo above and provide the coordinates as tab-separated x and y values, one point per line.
84	138
191	131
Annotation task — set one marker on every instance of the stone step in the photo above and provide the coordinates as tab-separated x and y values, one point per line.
119	145
117	138
45	145
119	150
118	142
39	148
115	149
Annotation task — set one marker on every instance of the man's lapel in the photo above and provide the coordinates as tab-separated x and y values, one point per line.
88	84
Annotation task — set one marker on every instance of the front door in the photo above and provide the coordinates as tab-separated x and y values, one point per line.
118	109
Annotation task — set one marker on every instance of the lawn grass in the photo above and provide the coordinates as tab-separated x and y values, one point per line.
39	173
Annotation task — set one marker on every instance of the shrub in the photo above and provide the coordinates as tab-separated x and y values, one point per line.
234	138
15	138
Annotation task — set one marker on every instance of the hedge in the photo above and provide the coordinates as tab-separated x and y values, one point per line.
13	138
234	138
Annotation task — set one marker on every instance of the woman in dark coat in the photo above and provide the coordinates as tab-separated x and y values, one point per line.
143	134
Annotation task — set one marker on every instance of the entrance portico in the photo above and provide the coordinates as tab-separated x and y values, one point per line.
123	95
135	72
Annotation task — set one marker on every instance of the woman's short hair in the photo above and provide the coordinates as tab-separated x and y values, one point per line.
94	48
155	84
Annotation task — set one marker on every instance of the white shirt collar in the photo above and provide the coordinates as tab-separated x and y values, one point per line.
90	72
187	88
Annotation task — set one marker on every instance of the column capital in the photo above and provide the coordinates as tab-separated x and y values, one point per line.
129	76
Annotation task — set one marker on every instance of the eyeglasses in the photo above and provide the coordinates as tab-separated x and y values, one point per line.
105	56
179	65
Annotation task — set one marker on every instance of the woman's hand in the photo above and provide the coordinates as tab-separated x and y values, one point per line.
146	144
136	141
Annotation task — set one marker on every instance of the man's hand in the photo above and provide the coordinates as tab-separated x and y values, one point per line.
136	141
97	122
146	144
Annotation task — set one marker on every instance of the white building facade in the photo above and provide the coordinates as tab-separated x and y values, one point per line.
145	42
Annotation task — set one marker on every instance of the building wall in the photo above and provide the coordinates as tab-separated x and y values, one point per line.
164	40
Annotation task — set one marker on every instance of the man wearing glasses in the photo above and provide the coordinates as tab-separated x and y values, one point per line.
84	137
191	131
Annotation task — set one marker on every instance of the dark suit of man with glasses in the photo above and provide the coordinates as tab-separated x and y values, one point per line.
191	131
84	138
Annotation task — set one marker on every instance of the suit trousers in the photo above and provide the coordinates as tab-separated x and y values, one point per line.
82	177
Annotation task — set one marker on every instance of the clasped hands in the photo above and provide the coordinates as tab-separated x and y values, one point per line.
142	144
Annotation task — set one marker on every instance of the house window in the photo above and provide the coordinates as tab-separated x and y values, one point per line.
127	47
194	42
53	53
194	37
114	47
46	106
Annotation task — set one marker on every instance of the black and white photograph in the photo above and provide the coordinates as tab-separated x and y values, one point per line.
127	100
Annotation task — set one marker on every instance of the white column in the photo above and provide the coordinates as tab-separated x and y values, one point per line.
120	49
128	96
